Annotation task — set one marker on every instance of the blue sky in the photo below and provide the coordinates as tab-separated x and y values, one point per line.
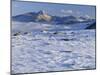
53	9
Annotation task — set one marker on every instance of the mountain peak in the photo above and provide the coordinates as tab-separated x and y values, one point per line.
43	16
41	12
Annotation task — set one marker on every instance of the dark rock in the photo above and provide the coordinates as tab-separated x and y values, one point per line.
66	51
18	33
55	33
65	39
93	26
26	33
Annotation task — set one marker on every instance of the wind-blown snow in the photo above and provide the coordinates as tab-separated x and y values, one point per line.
46	51
32	26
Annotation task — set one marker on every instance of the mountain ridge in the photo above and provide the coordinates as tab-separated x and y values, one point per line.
42	16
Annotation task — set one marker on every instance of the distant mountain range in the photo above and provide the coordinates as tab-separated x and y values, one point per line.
43	17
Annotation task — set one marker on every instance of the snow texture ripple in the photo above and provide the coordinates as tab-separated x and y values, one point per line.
50	51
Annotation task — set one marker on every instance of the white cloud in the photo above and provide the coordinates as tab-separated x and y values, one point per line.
66	11
87	16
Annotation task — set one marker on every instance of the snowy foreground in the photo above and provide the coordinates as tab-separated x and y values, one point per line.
49	51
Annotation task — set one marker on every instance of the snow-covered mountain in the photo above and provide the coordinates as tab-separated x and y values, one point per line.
44	17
